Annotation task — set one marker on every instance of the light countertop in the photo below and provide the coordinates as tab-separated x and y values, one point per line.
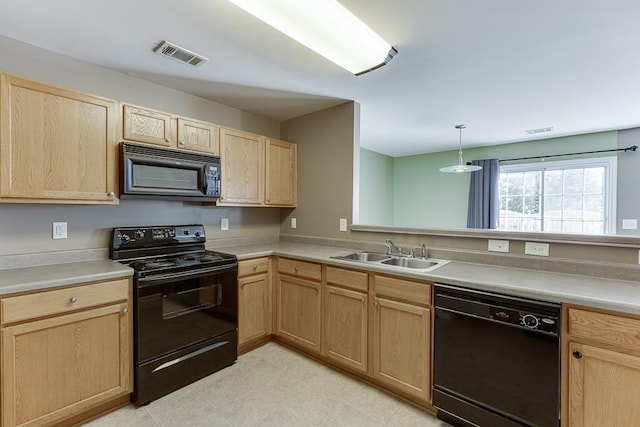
617	295
50	276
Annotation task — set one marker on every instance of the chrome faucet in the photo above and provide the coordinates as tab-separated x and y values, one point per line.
392	248
423	251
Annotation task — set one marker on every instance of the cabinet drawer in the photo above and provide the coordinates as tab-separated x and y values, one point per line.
605	328
253	266
347	278
300	268
406	290
46	303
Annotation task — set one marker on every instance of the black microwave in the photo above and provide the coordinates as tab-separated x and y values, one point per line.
163	173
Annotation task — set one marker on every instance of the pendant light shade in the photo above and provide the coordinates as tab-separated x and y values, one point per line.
461	166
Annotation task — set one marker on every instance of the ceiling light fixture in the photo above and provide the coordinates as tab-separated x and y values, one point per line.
461	166
327	28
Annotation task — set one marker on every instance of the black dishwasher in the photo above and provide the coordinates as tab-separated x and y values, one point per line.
496	359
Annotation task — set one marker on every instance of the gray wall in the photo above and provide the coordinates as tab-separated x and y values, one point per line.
26	228
628	181
326	141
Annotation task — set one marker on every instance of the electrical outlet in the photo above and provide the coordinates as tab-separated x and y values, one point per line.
294	223
224	224
59	230
629	224
498	245
343	224
537	249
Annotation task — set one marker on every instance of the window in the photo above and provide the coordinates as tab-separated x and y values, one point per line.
575	196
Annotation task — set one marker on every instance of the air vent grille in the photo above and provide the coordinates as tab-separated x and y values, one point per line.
179	54
143	150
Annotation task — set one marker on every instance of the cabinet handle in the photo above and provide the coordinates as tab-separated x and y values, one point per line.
125	310
111	194
375	304
577	354
181	143
73	300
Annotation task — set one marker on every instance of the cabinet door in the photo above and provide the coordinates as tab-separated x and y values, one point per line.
299	311
346	327
57	145
197	136
142	125
58	367
254	320
401	352
281	173
603	387
242	168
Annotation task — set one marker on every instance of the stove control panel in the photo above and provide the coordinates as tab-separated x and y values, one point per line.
149	237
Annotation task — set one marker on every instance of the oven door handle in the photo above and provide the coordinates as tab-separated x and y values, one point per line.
155	278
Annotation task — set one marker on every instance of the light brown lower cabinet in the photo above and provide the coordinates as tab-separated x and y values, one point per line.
346	327
299	303
254	300
59	367
402	336
603	369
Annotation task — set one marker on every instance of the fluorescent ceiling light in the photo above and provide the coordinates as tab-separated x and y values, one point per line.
327	28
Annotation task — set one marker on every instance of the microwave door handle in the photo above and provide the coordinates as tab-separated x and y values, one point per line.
205	190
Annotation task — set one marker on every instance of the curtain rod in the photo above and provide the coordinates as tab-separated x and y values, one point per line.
632	148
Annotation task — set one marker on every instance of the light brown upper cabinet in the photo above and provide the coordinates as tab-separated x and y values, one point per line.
257	171
281	173
242	168
56	145
158	128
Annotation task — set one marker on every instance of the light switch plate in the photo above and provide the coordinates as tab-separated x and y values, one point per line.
498	245
224	224
343	224
59	230
536	248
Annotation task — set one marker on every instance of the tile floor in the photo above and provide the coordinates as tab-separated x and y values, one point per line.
273	386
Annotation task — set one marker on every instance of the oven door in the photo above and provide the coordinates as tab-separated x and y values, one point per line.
177	310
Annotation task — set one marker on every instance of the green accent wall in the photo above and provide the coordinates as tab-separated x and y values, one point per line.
376	188
424	197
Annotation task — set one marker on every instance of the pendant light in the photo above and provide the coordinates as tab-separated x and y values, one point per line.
461	166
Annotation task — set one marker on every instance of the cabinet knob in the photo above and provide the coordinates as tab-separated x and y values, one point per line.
577	354
111	194
255	267
242	284
375	304
317	289
167	139
362	300
295	269
125	310
181	143
73	300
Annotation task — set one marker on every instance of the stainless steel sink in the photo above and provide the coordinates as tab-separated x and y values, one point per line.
410	262
393	261
365	257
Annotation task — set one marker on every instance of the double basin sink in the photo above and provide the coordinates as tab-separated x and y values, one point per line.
406	263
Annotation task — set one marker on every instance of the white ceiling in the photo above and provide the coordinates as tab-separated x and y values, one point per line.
499	66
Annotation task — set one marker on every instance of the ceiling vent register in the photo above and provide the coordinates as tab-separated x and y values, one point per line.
179	54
